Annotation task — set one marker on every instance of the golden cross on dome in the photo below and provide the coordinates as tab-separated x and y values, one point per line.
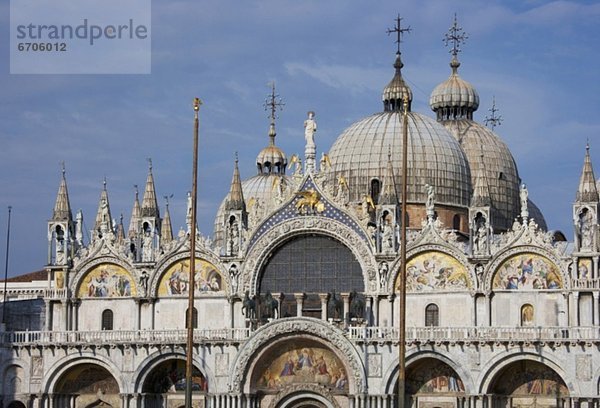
399	30
456	36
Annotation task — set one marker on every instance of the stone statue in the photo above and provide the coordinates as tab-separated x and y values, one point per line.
429	205
188	217
143	281
310	127
387	238
233	278
383	275
147	247
523	195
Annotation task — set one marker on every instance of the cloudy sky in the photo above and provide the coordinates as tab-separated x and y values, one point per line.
539	59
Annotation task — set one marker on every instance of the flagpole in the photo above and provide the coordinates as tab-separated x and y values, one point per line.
6	269
192	270
402	328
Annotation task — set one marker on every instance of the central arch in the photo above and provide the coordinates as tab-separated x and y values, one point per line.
307	396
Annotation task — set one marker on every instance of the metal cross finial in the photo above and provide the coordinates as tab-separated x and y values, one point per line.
492	120
456	36
149	163
399	31
273	102
236	157
62	167
104	182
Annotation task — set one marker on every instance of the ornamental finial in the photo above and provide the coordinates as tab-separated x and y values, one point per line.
492	120
399	31
455	36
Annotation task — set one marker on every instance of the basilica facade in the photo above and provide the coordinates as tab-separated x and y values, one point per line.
297	298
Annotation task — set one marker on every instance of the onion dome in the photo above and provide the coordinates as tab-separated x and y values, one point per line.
397	91
271	159
454	98
360	153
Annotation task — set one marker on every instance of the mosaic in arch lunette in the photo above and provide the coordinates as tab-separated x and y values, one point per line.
527	271
434	270
433	377
107	281
295	364
175	280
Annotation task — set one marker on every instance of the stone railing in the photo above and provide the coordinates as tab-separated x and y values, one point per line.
414	335
116	337
22	293
585	283
477	334
56	293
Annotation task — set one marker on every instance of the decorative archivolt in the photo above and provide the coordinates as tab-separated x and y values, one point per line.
548	265
82	272
282	232
315	391
313	329
204	257
435	267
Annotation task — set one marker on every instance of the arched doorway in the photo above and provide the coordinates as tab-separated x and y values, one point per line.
528	384
431	383
165	384
16	404
89	385
304	399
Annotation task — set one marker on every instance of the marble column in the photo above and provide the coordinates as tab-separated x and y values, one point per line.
596	296
346	299
324	297
299	303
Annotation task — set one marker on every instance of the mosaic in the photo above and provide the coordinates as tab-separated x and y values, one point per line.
293	365
107	281
175	280
527	271
434	378
435	271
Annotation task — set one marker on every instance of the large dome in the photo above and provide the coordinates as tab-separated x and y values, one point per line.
360	154
486	151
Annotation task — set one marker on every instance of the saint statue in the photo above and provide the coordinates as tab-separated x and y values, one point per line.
310	127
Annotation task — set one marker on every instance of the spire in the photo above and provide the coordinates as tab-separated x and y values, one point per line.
397	91
62	207
120	230
103	218
587	191
481	192
149	203
235	199
389	195
135	221
166	228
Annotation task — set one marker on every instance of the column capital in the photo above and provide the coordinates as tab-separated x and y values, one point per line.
299	296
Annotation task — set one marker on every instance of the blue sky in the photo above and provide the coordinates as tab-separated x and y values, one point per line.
539	59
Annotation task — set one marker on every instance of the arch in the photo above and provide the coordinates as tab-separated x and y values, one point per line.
67	363
527	315
526	271
92	262
311	264
107	319
146	367
89	382
194	317
432	315
16	404
525	378
250	358
308	394
433	269
13	379
456	220
169	376
208	266
494	266
106	280
496	365
415	357
375	190
280	233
